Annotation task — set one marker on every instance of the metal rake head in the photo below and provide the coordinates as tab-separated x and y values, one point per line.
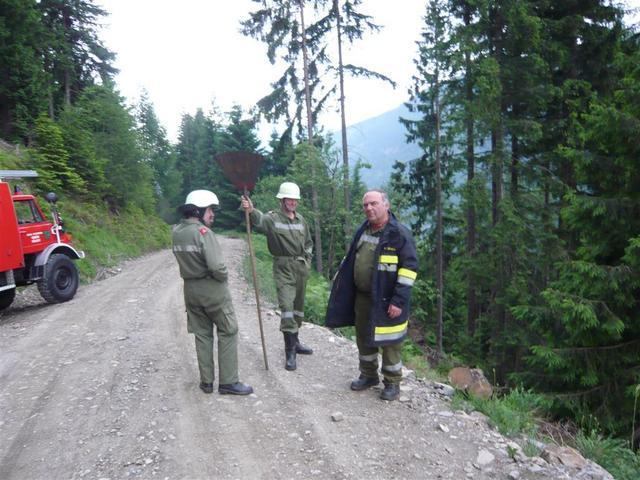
240	168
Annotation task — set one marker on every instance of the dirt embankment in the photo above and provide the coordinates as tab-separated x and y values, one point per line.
105	387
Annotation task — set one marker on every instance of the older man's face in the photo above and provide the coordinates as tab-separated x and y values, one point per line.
375	208
289	205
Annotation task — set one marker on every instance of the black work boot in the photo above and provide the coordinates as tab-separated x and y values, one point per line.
290	350
362	383
237	388
206	387
390	392
301	348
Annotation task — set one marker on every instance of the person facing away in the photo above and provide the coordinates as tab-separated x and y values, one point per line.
206	293
289	241
372	289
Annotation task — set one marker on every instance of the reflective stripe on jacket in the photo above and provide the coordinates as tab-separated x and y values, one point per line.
395	272
197	251
285	237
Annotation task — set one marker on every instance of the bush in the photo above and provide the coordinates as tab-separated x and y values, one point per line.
611	453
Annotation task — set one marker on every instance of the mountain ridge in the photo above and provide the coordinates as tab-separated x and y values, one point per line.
379	141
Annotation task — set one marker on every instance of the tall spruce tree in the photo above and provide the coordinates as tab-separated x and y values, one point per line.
160	156
24	84
52	159
590	350
129	178
428	97
75	55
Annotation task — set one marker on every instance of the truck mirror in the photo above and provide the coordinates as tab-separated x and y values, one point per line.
51	197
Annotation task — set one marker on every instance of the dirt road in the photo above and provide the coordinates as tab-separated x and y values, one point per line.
105	387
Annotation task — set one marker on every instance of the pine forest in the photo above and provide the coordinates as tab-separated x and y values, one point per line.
524	204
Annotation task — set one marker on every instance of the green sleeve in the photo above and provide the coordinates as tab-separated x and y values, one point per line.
261	221
214	258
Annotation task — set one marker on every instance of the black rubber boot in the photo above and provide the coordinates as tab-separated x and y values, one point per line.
301	348
290	350
390	392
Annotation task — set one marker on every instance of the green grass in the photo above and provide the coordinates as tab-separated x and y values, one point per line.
512	413
263	267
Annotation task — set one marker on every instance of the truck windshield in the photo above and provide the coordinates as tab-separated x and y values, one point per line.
27	212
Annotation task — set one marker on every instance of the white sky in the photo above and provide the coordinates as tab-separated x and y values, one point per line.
188	53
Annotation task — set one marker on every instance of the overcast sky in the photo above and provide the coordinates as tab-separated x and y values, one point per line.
188	53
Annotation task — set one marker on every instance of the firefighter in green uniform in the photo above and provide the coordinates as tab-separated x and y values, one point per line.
206	293
289	241
372	290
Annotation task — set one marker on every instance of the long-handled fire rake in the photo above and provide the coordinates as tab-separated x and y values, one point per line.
241	169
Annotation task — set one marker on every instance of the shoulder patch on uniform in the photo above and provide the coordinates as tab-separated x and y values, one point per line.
203	230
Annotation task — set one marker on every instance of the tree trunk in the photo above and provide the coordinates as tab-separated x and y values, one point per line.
345	152
332	239
472	301
314	189
515	155
546	221
497	150
439	225
66	14
500	330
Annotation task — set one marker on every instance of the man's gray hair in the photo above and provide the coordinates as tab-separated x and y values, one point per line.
385	197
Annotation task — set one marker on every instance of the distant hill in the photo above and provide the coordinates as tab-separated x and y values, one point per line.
379	141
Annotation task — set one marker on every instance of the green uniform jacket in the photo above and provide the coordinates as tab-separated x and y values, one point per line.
285	237
200	257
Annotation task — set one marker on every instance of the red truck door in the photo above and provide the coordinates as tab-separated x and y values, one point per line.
10	246
35	230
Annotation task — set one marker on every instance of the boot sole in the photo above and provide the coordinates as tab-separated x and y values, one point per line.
230	392
365	387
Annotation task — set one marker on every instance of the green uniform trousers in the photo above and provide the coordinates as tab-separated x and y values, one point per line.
391	354
290	275
207	305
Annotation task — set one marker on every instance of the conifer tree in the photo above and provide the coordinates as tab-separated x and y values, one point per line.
53	159
160	156
75	55
83	158
129	177
23	84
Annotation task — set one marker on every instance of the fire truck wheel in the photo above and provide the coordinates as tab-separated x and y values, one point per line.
6	297
60	280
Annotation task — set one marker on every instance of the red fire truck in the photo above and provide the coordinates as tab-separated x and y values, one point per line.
33	249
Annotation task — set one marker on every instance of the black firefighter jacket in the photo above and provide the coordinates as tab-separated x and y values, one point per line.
396	270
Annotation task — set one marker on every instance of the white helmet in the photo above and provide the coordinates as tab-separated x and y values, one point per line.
202	199
289	190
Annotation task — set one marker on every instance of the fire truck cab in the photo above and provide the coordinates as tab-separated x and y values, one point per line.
33	249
